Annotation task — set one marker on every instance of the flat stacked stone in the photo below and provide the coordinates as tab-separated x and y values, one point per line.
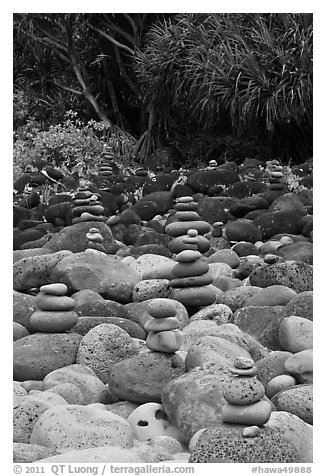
217	229
163	327
191	276
276	178
95	240
212	164
55	310
244	395
187	219
87	205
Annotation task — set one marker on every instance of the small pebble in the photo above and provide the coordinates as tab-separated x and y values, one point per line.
244	372
185	199
57	289
250	431
243	363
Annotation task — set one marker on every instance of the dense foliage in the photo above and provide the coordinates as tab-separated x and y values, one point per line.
212	85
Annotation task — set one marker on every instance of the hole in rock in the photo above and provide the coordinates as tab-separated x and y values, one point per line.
142	423
160	415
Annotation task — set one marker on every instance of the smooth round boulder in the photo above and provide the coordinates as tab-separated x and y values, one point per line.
297	400
279	383
165	341
19	331
300	365
296	333
141	378
37	355
195	296
52	321
275	295
78	426
242	230
103	346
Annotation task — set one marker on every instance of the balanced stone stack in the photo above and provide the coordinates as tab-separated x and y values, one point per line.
95	240
191	278
276	179
187	219
163	327
244	395
212	164
55	312
105	168
87	206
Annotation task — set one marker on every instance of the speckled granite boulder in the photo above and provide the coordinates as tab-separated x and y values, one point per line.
293	274
194	400
271	223
300	251
28	453
213	349
202	180
78	427
142	377
73	238
237	297
295	430
218	313
222	444
296	333
37	355
105	274
86	323
103	346
255	319
296	400
271	366
300	305
151	289
83	377
35	271
275	295
243	230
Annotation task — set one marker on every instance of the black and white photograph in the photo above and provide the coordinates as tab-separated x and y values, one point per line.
162	175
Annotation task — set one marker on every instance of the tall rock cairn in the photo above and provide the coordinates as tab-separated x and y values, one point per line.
191	278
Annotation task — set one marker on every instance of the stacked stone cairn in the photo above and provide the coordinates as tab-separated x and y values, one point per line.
163	327
55	310
105	167
245	398
191	278
276	179
212	164
87	205
95	240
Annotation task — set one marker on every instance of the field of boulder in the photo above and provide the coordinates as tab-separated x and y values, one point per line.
164	315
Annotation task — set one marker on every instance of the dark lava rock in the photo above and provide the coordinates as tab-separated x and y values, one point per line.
301	305
31	200
62	210
141	378
20	213
24	236
300	251
73	238
288	201
249	204
245	189
160	183
255	213
211	210
295	275
182	190
108	202
129	217
60	198
245	248
307	181
149	237
164	200
243	230
146	210
154	249
225	444
272	223
202	180
20	183
37	355
56	174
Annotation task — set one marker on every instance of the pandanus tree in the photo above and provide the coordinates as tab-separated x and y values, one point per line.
248	74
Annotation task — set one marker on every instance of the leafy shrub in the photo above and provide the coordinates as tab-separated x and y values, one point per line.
72	146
